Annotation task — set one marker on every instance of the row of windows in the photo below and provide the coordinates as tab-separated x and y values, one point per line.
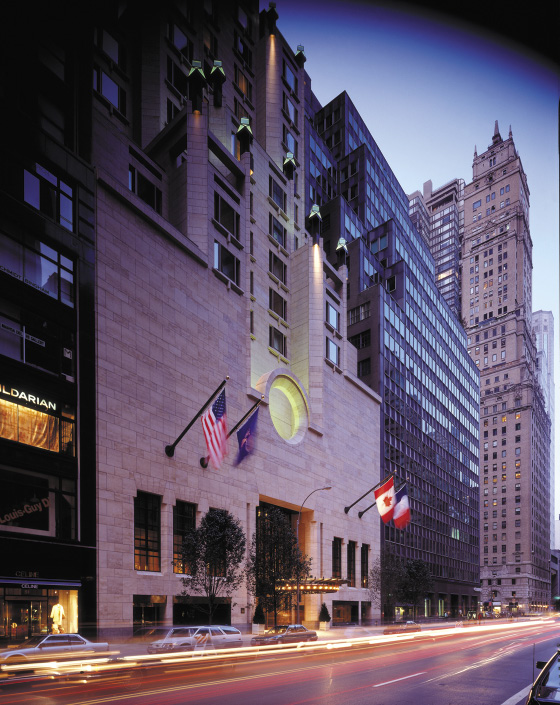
350	562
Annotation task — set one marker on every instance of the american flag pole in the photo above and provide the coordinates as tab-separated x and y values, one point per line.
170	449
204	461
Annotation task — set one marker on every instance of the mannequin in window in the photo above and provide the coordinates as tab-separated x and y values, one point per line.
57	615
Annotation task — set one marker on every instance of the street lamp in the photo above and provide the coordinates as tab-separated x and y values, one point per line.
319	489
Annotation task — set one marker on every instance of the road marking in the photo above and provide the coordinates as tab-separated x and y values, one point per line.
413	675
518	696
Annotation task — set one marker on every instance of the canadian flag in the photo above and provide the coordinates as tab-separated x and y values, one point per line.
385	499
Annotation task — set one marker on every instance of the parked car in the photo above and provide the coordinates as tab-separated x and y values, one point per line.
52	646
546	688
191	638
402	628
286	634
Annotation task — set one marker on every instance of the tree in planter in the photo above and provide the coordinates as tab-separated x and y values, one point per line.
385	582
417	583
274	558
213	554
324	615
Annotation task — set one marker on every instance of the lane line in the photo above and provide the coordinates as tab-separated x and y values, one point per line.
518	696
412	675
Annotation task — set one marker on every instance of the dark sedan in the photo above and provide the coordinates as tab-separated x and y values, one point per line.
286	634
546	688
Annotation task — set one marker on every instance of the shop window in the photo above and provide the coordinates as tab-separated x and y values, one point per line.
184	517
147	532
33	503
33	427
49	194
148	609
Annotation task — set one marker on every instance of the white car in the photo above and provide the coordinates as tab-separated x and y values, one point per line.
52	646
192	638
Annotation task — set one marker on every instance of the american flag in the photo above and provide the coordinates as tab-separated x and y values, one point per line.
215	431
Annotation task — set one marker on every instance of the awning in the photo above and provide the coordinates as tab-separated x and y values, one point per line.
314	586
34	583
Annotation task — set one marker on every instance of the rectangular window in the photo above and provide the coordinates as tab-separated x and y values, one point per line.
333	316
184	515
364	565
226	263
226	215
476	205
177	78
242	82
337	558
290	77
359	313
351	563
144	189
179	40
277	230
147	532
277	267
33	427
290	109
278	304
243	50
290	141
333	352
109	89
49	194
364	367
277	194
361	340
277	340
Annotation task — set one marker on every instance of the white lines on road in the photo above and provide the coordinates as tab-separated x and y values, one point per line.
518	696
413	675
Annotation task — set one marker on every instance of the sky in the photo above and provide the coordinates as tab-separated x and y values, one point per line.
430	87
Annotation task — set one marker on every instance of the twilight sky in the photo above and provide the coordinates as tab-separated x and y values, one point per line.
429	88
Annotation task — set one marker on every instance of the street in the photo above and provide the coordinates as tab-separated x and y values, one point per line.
486	666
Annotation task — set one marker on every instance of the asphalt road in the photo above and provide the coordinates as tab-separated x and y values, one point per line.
492	666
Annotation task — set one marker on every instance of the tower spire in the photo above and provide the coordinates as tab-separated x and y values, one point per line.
497	137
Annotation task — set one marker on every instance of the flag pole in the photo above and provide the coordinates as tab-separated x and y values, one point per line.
349	507
361	514
204	461
170	449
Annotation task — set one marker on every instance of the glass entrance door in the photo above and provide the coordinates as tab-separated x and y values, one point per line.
27	618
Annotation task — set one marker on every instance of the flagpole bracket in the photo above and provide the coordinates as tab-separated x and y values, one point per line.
346	510
170	451
204	463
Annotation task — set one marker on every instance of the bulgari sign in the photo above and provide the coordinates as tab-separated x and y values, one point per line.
25	396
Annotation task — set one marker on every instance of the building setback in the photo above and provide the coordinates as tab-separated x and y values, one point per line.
515	427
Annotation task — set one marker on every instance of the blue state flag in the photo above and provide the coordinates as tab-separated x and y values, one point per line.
246	437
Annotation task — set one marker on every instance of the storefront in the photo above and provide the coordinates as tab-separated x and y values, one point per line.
34	608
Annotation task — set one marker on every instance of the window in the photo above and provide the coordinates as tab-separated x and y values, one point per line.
226	215
290	141
144	189
290	109
361	340
39	266
177	78
364	367
277	340
109	89
278	304
242	48
49	194
110	46
337	558
29	425
147	532
242	82
184	515
290	77
476	205
364	565
226	263
277	194
179	40
351	563
333	316
359	313
277	267
333	352
276	230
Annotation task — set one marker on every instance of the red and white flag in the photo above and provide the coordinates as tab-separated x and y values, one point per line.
215	431
401	512
385	499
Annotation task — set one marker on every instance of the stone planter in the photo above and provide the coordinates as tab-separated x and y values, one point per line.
258	628
323	626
